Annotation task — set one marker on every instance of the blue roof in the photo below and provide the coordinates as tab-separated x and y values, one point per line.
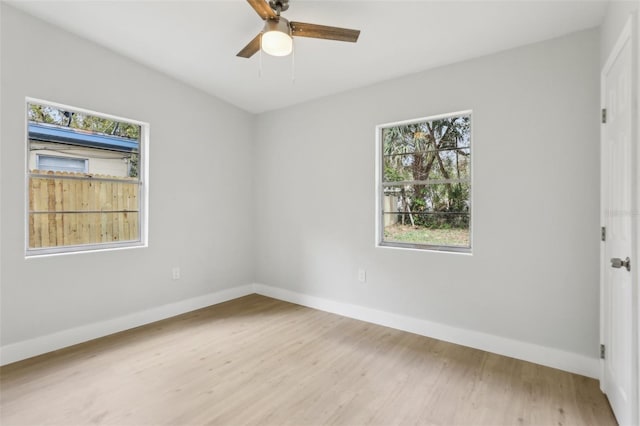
67	135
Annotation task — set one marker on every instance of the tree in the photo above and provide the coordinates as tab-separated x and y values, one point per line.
421	153
52	115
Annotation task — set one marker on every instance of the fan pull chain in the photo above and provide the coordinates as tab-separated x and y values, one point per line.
293	61
260	61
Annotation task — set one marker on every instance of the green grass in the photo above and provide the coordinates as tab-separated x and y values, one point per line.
420	235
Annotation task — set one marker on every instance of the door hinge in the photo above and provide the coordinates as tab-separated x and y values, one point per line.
602	351
604	115
603	233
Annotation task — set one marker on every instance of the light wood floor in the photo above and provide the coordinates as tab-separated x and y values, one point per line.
261	361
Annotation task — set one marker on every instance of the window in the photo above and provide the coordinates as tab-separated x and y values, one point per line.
424	183
86	181
61	164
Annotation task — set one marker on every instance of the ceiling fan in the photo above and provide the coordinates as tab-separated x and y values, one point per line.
276	37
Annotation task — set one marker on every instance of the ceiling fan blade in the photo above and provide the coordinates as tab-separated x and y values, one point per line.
251	48
300	29
263	9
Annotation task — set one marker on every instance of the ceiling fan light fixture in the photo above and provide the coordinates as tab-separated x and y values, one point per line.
276	38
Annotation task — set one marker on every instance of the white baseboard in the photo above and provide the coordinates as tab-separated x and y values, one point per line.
550	357
28	348
567	361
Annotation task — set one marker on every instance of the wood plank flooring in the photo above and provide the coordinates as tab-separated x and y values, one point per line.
259	361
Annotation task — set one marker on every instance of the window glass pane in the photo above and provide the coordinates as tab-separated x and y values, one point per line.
61	164
399	167
444	199
427	214
433	164
77	228
421	235
451	165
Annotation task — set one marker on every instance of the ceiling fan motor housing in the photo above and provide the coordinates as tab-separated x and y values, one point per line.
281	25
279	5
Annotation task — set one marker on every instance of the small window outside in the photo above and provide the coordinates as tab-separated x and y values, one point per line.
424	185
85	180
61	164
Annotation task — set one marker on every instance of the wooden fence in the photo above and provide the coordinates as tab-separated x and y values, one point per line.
76	208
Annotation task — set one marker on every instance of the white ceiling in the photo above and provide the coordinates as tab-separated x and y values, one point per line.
196	41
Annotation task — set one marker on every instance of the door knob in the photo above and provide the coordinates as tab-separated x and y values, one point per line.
616	262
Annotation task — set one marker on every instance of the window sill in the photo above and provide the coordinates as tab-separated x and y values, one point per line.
425	248
72	250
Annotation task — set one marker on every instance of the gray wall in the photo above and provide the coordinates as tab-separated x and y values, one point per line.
533	275
200	186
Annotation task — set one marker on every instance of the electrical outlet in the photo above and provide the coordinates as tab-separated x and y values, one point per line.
362	275
175	273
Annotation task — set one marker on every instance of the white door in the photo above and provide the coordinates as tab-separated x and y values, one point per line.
619	310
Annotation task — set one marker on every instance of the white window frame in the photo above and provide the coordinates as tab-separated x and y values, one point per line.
379	188
143	188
